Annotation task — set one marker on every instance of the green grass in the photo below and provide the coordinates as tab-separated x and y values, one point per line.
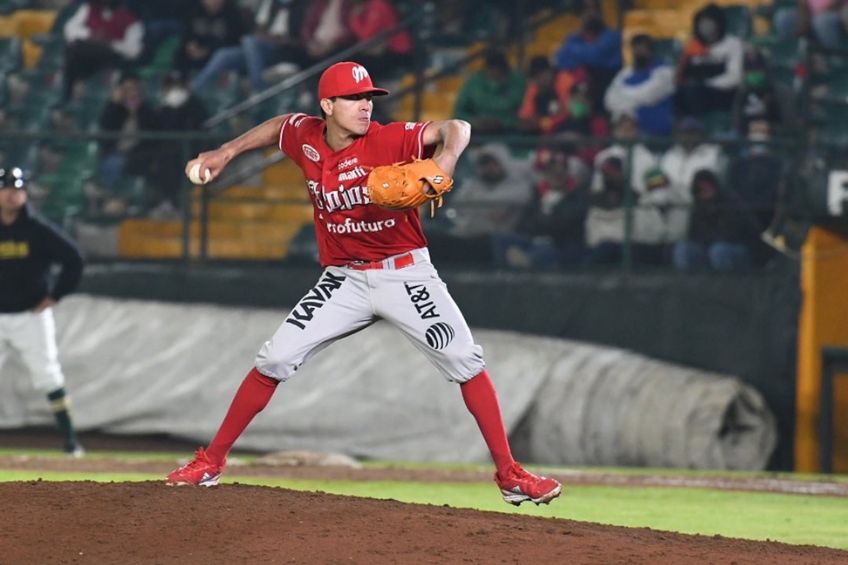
792	519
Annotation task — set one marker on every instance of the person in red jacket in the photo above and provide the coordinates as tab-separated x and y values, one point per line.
101	34
367	19
326	28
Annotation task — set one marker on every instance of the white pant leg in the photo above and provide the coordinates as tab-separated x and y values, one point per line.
34	337
337	306
417	302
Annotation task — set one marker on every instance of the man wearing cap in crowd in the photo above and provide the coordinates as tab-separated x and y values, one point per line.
29	247
376	266
692	153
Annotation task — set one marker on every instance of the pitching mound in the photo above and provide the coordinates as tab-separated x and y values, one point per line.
86	522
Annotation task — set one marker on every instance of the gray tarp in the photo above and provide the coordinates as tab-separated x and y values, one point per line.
151	367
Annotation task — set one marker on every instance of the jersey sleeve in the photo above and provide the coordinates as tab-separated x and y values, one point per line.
291	135
407	140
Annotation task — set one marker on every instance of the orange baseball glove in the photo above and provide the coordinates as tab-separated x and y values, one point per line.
403	186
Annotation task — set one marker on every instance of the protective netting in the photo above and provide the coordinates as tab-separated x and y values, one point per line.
151	367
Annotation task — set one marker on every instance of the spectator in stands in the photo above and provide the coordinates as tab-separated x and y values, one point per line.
690	154
626	134
583	118
551	230
823	19
102	34
645	89
710	70
489	201
127	113
179	110
606	219
490	97
659	220
720	229
595	47
367	19
276	40
212	25
545	105
326	28
762	99
755	176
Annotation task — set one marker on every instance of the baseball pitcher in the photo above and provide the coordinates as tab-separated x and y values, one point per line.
366	182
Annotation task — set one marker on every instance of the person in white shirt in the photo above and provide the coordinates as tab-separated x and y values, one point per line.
710	70
625	130
690	154
644	89
101	34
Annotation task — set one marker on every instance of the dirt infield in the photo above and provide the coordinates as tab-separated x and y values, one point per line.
86	522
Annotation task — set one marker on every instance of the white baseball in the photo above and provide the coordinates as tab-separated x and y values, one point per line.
194	174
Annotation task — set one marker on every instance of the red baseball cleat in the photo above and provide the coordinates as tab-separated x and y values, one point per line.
518	485
200	471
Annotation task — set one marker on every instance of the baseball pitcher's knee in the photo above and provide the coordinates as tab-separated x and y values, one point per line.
276	368
463	365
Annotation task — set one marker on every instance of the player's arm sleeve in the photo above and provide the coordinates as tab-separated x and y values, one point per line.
408	140
289	140
65	252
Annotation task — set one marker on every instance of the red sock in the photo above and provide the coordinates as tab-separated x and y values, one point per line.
482	401
253	395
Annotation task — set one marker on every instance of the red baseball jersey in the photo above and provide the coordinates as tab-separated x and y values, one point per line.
347	225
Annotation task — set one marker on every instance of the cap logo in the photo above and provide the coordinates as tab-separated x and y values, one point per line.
359	73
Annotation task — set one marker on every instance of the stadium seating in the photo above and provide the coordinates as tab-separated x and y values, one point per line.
245	222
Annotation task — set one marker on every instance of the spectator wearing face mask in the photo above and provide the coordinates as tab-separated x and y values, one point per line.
101	34
490	98
582	118
179	110
545	105
596	48
660	219
645	89
720	231
710	70
755	176
762	99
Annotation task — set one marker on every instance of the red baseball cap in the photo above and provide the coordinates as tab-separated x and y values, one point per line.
346	79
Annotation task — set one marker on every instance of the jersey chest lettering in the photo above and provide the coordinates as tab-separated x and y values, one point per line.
342	198
349	193
14	249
